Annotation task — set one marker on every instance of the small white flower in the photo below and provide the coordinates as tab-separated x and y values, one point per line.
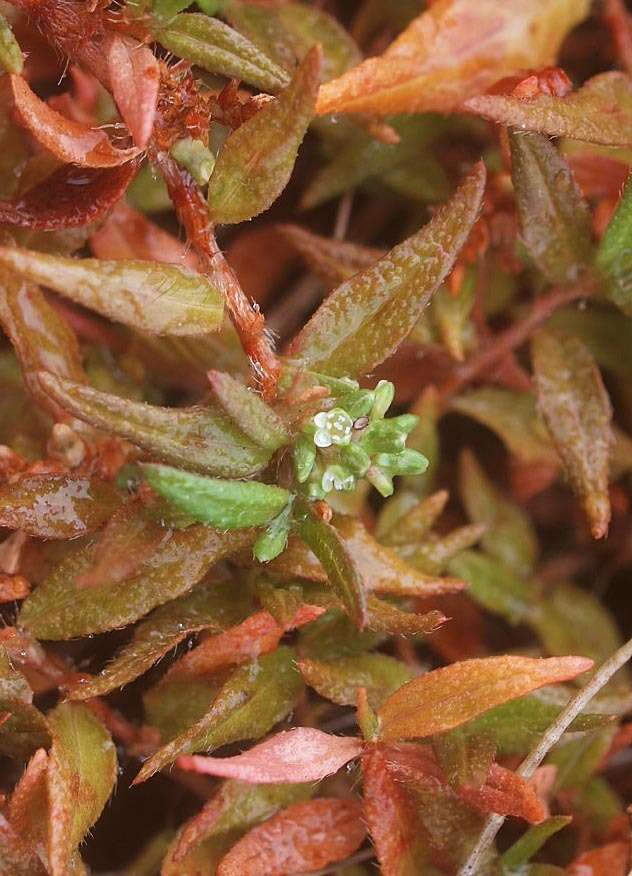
337	478
332	427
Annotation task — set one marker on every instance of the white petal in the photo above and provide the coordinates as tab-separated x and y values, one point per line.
322	438
321	420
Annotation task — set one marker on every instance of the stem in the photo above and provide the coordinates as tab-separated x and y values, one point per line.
552	736
512	338
193	214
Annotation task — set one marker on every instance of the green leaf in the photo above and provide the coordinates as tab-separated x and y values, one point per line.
614	257
576	407
366	318
555	222
248	410
81	777
148	296
577	760
58	609
256	160
451	314
332	636
341	568
211	607
216	47
339	681
509	534
57	506
10	52
25	730
220	503
512	416
202	438
286	33
494	585
256	697
599	112
530	843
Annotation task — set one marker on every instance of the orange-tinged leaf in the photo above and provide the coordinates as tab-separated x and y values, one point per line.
610	860
303	754
71	142
303	837
506	793
366	318
134	80
454	50
576	407
455	694
599	112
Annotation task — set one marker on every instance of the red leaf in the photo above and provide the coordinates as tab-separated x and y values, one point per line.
390	814
134	80
506	793
68	140
303	837
300	755
128	234
69	198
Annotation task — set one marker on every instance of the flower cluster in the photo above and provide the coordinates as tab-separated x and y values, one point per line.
352	440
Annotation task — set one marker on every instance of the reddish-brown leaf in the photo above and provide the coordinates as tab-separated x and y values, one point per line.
134	80
303	754
454	694
506	793
70	141
303	837
610	860
69	198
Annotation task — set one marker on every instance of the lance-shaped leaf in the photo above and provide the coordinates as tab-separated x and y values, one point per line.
212	607
340	680
384	617
152	298
303	837
286	33
10	52
332	260
495	585
57	506
303	754
202	438
383	570
530	843
69	198
128	234
599	112
366	318
81	777
614	257
134	79
576	407
70	141
256	697
256	161
509	534
455	694
342	570
221	503
436	65
25	729
216	47
41	338
236	805
248	410
555	222
506	793
58	609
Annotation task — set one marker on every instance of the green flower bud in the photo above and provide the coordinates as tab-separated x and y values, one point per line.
382	437
195	157
382	481
384	394
355	458
304	457
405	423
408	462
272	542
